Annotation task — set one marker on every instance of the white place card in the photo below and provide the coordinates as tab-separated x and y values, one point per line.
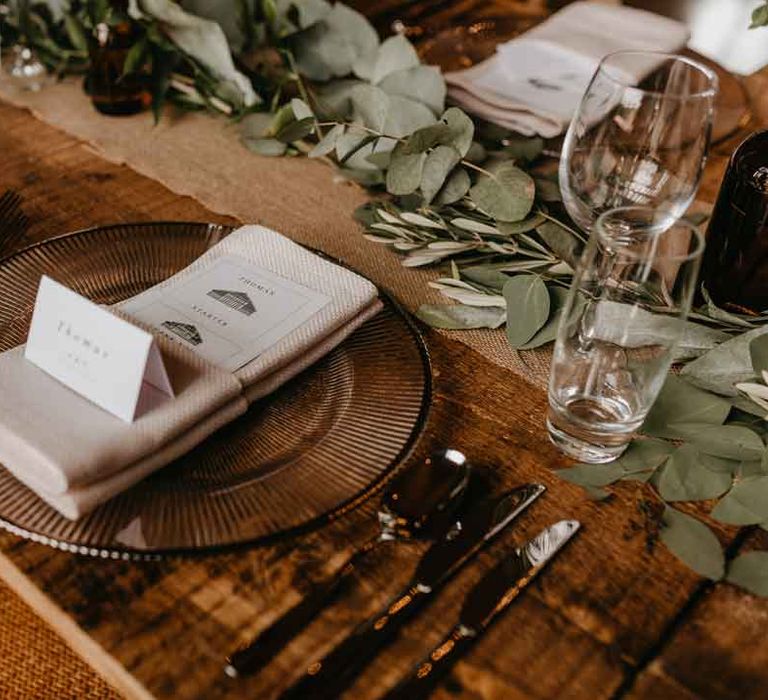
102	357
229	312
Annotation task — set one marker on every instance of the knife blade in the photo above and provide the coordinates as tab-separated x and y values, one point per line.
484	603
327	677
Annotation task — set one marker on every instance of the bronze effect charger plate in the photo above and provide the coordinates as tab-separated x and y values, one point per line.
304	454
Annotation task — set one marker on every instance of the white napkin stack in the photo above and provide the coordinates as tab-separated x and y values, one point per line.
534	83
76	456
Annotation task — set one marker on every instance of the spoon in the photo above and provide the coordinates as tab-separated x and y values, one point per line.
419	503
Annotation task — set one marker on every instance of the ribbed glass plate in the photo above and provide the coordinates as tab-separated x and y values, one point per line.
308	451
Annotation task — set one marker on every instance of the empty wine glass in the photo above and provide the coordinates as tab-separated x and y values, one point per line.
619	329
638	140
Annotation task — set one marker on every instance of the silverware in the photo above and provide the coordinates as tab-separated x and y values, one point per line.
327	677
484	603
420	502
13	222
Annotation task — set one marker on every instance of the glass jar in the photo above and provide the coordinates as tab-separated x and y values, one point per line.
112	91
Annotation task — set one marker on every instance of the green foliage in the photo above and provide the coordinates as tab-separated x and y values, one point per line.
703	450
760	16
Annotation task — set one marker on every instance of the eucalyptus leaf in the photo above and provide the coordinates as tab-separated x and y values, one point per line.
750	468
328	143
595	475
632	326
693	543
512	228
548	332
644	454
685	478
405	116
424	84
745	504
525	149
370	105
296	131
426	137
331	47
455	187
724	366
561	241
266	147
727	441
300	109
527	307
681	402
750	571
461	316
419	220
405	171
485	276
255	125
334	99
350	142
715	312
476	153
369	178
395	54
439	163
462	129
506	195
758	353
474	225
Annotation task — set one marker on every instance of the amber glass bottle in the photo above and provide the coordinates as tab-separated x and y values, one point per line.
111	91
735	266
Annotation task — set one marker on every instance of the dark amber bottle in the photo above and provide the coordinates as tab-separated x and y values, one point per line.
112	91
735	266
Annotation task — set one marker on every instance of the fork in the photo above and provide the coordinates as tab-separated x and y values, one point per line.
13	222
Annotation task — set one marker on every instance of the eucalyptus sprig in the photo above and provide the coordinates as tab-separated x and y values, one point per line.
703	440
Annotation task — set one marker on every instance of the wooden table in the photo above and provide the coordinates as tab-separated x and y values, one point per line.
616	616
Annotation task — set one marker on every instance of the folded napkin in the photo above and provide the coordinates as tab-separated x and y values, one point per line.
534	83
76	456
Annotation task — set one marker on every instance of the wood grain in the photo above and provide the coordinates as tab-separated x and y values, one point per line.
611	617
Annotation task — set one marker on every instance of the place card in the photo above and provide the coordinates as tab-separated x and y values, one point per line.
229	312
102	357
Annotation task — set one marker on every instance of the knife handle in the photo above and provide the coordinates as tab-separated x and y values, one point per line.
427	674
260	651
327	677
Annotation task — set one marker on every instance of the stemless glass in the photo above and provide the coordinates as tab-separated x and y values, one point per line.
625	313
640	145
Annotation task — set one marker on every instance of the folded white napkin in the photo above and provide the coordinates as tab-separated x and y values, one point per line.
534	83
75	455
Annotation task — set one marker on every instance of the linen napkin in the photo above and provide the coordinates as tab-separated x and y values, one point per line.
534	83
76	456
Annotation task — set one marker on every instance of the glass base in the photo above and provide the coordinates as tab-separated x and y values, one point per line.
582	450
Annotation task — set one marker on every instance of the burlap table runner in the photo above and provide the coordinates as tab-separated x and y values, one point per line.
201	156
37	663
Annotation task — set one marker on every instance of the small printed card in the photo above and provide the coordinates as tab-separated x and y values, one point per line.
96	354
229	312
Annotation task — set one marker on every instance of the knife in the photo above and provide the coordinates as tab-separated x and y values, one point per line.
483	604
327	677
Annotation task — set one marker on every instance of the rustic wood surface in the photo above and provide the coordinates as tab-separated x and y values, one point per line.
614	616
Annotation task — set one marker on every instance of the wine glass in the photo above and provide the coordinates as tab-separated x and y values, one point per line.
636	140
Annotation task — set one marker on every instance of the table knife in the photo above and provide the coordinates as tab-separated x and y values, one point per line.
483	604
327	677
